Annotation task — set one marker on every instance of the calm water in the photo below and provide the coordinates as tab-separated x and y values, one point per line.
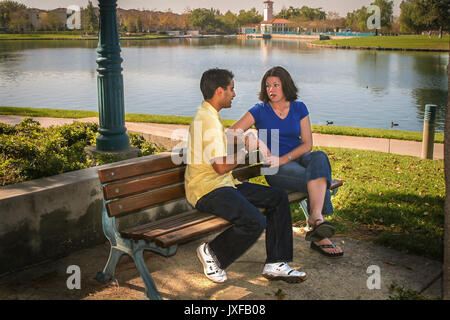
349	87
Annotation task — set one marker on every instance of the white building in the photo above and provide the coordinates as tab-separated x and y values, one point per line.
269	24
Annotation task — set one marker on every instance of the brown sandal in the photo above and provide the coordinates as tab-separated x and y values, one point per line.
321	231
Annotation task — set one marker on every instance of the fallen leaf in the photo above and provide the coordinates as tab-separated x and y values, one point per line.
280	294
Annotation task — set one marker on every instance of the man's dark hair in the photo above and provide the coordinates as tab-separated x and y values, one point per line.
289	89
213	79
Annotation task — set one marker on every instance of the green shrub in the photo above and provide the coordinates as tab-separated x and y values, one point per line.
147	148
28	151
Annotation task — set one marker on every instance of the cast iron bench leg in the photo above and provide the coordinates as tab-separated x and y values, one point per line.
150	289
108	272
304	206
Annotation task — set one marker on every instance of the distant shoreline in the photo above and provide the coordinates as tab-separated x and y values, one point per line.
27	38
384	43
82	38
376	48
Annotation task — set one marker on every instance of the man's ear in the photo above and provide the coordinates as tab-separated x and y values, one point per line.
219	91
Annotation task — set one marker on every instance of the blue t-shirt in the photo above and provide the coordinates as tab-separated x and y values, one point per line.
267	121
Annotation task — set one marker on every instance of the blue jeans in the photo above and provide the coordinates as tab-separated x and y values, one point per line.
240	207
296	174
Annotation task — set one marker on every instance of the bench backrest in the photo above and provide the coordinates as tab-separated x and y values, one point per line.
131	187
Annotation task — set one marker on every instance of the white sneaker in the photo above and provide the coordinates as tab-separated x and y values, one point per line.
283	271
210	268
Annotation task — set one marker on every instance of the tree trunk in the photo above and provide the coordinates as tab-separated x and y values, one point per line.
446	265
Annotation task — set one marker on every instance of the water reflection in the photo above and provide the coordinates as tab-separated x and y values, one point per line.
373	70
431	96
348	87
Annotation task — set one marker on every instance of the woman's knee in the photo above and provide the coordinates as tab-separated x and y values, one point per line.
319	155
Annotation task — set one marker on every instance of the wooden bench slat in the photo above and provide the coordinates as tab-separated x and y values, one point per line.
167	222
150	233
156	223
122	189
130	170
144	200
191	232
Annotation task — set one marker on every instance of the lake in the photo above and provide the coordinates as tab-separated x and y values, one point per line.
357	88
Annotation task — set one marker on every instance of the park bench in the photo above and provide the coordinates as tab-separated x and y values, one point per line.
130	188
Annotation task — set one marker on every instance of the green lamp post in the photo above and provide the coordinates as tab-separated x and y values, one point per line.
113	136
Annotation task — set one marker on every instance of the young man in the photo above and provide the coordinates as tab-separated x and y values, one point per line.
210	187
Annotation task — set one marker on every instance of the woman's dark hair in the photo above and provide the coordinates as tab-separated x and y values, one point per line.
289	89
213	79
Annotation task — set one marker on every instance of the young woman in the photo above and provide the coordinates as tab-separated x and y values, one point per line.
282	115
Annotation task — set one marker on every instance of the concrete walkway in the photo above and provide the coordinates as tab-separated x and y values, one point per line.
170	135
180	277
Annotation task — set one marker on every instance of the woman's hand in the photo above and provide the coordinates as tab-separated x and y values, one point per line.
273	161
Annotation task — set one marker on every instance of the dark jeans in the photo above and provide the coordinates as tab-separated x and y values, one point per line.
296	174
240	207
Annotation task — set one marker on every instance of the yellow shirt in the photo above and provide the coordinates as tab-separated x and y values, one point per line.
206	141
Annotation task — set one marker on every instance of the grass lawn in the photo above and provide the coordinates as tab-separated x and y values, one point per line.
392	200
403	42
350	131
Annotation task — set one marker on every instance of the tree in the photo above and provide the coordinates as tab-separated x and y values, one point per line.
357	20
90	19
18	22
247	17
139	25
304	14
421	15
168	20
7	9
386	11
50	21
130	24
439	15
446	264
203	19
229	21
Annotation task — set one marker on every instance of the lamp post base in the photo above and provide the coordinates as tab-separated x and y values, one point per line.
123	154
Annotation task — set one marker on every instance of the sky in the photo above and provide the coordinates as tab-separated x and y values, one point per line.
179	6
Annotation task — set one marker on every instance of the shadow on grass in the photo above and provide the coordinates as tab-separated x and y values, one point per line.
407	222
